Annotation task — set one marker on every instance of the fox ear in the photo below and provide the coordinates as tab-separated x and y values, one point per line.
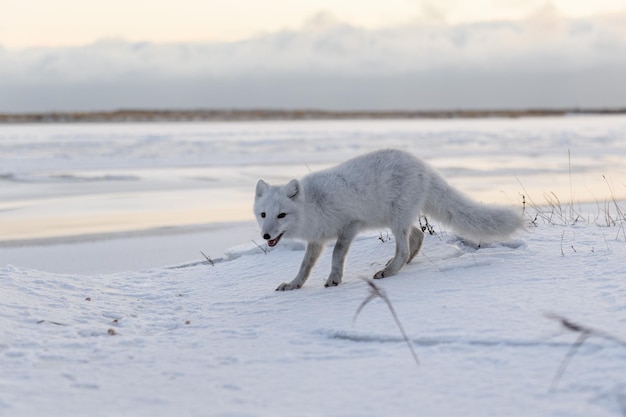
292	189
261	188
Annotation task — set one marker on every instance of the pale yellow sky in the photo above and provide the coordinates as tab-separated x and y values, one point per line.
34	23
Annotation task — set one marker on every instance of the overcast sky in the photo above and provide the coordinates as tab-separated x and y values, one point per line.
336	54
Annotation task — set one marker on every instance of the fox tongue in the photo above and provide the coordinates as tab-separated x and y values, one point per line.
273	242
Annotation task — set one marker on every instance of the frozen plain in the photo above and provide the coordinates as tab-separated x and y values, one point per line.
190	338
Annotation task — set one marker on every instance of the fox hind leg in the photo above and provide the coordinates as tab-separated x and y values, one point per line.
415	242
402	254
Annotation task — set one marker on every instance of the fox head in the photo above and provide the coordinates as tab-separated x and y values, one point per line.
277	209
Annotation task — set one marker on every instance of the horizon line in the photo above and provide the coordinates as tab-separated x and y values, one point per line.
259	114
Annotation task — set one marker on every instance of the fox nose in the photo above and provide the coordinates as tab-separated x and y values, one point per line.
267	236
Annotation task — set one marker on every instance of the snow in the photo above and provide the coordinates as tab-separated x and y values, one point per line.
181	336
217	340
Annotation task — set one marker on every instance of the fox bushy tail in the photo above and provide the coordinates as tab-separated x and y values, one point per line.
470	219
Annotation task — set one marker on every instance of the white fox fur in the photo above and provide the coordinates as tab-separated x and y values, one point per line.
386	188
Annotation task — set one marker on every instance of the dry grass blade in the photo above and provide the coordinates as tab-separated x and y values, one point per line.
264	249
209	260
51	322
565	362
571	189
376	292
369	298
585	333
620	214
575	327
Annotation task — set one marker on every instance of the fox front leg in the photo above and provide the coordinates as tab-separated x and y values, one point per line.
311	255
339	254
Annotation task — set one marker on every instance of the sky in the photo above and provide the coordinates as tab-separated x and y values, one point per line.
73	55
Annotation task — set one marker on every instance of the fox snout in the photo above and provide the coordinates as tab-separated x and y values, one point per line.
272	242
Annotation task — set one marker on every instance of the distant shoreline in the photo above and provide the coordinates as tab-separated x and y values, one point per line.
147	115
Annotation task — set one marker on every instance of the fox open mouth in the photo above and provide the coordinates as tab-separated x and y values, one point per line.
273	242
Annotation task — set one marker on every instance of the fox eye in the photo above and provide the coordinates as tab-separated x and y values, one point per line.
281	215
263	214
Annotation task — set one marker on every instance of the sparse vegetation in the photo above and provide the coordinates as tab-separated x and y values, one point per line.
554	212
426	226
385	238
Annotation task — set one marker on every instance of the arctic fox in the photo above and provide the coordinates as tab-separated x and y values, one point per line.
386	188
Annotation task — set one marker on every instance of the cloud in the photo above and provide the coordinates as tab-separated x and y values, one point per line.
543	60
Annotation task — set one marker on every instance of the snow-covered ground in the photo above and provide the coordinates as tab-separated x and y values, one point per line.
216	340
109	319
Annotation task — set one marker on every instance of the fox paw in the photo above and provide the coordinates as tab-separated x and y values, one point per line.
287	286
332	283
381	274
